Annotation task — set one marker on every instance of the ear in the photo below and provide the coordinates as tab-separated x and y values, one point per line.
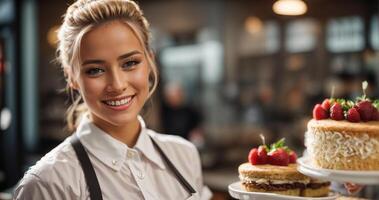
71	83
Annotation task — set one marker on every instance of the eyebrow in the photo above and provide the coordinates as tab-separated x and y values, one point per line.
94	61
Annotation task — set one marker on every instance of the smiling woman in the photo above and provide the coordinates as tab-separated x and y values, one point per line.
113	79
105	54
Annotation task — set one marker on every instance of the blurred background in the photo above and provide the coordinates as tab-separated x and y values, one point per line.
230	70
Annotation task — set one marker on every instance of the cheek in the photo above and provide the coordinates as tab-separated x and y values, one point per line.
91	87
141	80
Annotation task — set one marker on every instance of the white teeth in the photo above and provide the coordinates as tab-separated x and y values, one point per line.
119	102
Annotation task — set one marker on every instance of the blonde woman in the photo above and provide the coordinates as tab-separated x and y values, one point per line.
105	53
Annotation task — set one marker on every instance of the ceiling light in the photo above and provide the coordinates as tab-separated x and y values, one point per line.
289	7
253	25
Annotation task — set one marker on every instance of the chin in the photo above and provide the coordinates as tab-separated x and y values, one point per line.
122	119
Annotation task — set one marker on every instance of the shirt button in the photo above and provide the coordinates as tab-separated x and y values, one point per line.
130	154
141	175
114	162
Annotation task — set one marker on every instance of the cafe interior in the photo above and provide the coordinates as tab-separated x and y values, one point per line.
243	68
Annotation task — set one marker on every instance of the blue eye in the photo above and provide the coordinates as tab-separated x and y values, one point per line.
94	71
130	64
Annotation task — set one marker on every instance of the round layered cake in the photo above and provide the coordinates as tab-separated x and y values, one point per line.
273	169
343	145
284	180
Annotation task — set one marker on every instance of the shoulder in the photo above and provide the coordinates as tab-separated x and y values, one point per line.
56	172
61	160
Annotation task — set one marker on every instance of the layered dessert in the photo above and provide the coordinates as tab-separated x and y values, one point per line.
344	134
316	188
273	169
284	180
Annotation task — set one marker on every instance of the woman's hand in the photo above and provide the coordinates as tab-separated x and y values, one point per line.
353	188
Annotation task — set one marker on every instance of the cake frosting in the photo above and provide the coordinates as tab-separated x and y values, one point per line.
343	145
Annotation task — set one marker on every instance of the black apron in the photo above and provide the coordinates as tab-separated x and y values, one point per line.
91	178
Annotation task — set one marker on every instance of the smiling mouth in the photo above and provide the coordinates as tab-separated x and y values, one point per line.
119	101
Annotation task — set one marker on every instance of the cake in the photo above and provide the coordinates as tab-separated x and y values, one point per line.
344	134
343	145
284	180
273	169
316	188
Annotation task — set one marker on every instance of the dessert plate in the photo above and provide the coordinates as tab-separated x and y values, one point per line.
236	191
359	177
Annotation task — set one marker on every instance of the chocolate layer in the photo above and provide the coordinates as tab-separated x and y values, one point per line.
275	187
317	185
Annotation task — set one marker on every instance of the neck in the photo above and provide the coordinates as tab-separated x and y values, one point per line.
127	133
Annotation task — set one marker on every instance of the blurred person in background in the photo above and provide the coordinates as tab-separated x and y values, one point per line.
179	117
104	50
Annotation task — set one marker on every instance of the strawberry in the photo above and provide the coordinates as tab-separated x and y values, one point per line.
365	109
353	115
278	157
326	104
292	157
336	112
253	156
375	115
319	112
262	155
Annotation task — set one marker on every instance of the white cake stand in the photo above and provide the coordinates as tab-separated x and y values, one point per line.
360	177
236	191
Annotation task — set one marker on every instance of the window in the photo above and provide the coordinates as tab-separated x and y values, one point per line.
301	35
263	40
345	34
374	32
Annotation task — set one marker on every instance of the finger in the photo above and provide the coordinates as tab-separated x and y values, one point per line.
352	188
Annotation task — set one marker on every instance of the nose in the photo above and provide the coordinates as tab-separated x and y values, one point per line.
116	82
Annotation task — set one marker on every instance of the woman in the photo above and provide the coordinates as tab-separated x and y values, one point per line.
104	51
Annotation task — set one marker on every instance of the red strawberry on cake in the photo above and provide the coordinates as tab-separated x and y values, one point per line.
272	168
347	139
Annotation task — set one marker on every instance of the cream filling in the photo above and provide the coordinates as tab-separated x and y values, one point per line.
270	181
333	145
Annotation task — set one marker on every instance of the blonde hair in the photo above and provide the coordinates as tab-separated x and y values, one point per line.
80	18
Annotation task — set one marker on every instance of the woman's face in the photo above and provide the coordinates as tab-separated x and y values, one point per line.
114	74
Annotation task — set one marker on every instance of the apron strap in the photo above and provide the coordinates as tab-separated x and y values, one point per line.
91	178
89	172
181	179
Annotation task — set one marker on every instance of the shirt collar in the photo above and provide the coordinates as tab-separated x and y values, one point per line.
145	145
109	150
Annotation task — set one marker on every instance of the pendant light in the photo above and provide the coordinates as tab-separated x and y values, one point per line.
290	7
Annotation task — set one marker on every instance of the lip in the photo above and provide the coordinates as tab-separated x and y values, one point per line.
120	107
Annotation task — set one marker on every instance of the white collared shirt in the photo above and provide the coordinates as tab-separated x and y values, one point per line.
122	172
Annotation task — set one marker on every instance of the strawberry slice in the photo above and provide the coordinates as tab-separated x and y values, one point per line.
326	104
353	115
278	157
292	157
336	112
253	156
319	112
262	155
365	109
375	115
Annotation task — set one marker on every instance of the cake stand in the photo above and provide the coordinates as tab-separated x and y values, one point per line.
353	176
236	191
